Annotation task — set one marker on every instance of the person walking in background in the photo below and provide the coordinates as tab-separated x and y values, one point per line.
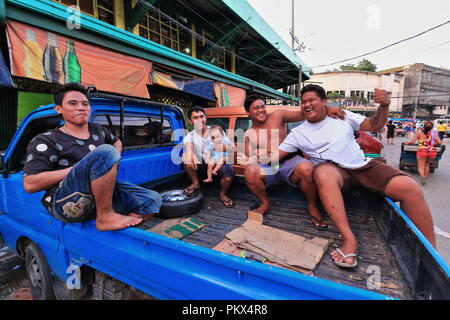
407	128
441	129
426	151
390	132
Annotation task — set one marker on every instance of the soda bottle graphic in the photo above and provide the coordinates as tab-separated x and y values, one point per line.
72	67
33	57
53	62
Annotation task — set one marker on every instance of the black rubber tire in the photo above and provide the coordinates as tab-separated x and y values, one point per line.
38	273
175	209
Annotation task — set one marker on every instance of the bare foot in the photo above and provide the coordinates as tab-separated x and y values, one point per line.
263	208
347	248
214	173
144	217
257	214
114	221
208	180
191	189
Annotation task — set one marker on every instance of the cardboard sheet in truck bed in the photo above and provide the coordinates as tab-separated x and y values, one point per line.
279	247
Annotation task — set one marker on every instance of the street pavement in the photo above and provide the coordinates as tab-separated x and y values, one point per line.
436	191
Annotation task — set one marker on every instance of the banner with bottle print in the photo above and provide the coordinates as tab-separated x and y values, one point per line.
47	56
228	96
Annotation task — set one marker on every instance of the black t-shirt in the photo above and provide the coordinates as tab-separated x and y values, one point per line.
391	128
56	150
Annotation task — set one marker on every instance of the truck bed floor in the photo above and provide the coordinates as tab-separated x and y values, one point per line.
374	254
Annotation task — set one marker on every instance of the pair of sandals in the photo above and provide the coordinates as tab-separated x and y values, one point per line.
227	203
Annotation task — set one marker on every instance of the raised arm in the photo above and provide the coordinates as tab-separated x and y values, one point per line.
378	120
295	116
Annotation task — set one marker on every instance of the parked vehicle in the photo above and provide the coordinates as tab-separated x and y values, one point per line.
75	260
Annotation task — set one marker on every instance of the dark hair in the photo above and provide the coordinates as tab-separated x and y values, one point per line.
250	99
317	89
70	86
194	109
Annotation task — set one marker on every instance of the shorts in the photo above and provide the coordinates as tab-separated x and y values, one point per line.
390	135
73	200
374	176
424	153
277	176
225	171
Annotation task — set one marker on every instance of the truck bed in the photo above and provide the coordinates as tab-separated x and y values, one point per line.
294	218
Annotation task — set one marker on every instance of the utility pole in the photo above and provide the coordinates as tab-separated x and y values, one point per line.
292	27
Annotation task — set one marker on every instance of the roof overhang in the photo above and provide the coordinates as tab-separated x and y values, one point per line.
53	16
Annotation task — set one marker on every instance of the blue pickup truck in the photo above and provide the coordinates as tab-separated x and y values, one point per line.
75	261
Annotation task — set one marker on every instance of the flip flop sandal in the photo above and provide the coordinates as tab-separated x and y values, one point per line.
320	221
192	191
344	264
230	204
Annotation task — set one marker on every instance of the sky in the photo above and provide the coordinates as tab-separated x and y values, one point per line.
336	30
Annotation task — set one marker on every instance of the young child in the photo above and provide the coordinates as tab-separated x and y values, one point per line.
216	152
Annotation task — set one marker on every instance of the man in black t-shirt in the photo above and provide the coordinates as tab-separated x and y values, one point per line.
76	164
390	132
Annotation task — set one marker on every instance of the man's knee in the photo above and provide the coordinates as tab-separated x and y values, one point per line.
321	173
226	171
252	173
107	153
303	171
152	201
403	188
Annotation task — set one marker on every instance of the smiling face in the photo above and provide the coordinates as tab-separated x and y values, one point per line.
313	107
257	111
75	108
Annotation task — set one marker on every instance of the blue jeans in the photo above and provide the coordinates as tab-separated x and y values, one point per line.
73	200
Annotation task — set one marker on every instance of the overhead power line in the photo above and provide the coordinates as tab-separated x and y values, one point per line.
385	47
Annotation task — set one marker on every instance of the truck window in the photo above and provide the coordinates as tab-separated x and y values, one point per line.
140	131
222	122
243	123
36	126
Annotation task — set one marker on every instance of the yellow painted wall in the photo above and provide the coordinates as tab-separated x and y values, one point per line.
119	12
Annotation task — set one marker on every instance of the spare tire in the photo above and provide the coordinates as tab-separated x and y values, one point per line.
176	203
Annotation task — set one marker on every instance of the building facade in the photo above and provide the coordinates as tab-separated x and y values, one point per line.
427	91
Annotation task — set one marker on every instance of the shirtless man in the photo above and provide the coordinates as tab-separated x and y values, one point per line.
76	164
261	143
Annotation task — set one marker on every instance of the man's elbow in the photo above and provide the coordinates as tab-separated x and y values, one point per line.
30	187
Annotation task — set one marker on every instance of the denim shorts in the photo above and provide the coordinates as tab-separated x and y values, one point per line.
73	200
